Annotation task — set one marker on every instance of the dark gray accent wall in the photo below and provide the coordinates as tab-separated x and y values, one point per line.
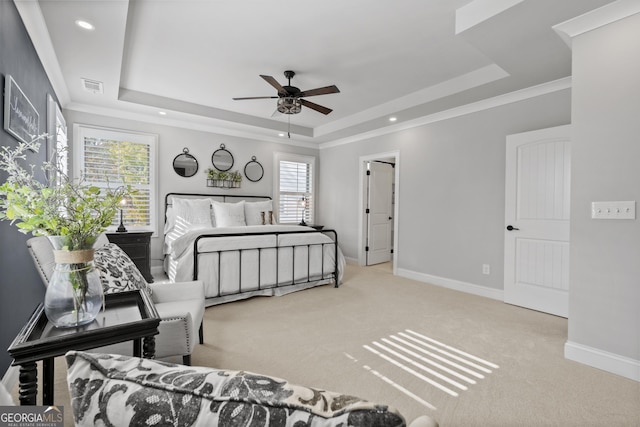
21	288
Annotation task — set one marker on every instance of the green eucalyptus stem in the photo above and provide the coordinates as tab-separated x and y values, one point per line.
58	207
80	285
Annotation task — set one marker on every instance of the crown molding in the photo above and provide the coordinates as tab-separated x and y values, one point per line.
34	22
470	80
596	18
212	127
474	107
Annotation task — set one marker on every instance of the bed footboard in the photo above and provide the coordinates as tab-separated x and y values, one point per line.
275	253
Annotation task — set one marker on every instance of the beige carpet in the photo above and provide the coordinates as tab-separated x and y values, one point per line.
417	347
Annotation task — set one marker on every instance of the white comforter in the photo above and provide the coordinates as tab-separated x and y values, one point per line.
304	264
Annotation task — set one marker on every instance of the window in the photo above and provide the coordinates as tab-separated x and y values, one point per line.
57	143
110	158
295	188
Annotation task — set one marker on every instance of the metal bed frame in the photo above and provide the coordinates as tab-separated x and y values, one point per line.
329	275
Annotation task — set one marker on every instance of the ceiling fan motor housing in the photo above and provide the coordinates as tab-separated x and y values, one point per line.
291	91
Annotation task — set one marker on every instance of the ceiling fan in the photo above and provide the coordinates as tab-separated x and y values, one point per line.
291	99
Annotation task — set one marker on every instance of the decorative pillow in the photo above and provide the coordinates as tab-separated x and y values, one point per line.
192	211
118	390
252	211
228	214
117	272
267	218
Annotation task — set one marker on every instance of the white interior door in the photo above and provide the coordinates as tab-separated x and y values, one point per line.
536	239
379	217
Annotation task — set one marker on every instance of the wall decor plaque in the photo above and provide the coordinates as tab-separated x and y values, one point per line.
21	119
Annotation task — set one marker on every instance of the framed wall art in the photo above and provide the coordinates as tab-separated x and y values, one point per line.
21	119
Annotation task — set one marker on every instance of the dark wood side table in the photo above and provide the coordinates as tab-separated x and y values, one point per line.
138	246
127	316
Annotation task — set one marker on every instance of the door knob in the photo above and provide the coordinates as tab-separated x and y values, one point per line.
511	228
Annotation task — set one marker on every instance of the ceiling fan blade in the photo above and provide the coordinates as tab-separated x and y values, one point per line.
255	97
320	91
318	108
273	82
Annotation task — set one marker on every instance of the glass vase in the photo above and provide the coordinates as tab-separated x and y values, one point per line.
74	294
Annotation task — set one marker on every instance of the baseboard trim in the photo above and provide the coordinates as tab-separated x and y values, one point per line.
456	285
600	359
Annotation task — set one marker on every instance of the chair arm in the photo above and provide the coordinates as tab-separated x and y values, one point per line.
179	291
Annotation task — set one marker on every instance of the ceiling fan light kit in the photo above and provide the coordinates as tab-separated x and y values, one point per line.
289	105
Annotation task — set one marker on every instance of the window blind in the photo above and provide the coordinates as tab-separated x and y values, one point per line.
110	159
296	197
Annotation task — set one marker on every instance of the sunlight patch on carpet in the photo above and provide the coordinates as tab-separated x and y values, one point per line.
446	368
412	372
394	384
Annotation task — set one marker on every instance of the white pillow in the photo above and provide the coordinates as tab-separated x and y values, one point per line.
228	214
170	221
252	211
192	212
5	397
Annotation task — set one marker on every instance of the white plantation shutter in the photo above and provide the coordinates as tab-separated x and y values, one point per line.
295	189
111	158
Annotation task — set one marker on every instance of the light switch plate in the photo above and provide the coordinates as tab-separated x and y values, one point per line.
613	210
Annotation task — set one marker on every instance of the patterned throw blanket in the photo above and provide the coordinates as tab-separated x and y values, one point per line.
119	390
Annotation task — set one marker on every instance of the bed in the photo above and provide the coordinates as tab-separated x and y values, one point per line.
236	247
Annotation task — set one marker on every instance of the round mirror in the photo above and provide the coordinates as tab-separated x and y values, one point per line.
253	170
185	164
222	159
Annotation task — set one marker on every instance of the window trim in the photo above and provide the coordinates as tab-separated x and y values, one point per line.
123	134
299	158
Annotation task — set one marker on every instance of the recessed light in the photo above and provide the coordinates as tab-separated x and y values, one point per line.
162	113
281	134
85	25
393	119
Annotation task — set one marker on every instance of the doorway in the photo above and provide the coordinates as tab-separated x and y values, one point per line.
378	218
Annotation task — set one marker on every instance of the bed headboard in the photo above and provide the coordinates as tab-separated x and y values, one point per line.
168	199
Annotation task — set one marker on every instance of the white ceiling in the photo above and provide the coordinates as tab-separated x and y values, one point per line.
189	58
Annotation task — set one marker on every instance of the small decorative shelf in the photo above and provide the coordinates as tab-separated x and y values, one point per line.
223	179
223	183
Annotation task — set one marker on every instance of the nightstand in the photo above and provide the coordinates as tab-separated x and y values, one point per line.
138	246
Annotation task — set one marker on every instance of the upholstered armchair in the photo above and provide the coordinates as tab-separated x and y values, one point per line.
180	305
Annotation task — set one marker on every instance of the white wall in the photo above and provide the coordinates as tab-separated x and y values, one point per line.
201	145
604	302
451	188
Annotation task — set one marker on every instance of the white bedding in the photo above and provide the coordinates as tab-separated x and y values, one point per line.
294	266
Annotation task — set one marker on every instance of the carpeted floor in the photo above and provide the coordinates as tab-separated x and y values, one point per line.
462	359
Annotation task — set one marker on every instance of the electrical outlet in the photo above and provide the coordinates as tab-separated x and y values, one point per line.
486	269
